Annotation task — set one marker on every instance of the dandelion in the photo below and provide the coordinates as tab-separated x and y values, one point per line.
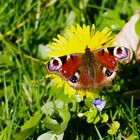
75	40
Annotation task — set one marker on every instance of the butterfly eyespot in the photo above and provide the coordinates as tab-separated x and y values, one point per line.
74	79
54	64
107	72
120	52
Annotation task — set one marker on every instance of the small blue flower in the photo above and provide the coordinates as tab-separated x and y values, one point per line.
99	104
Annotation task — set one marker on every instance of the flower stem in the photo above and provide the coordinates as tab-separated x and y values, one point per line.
100	137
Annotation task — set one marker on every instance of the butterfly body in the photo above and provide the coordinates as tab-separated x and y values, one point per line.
92	69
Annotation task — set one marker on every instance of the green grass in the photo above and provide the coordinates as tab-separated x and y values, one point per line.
25	27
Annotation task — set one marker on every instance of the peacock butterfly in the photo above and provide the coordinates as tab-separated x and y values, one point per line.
90	69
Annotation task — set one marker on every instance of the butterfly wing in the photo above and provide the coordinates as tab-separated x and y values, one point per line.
106	64
91	69
65	66
74	69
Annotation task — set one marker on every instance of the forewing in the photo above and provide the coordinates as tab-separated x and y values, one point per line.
65	66
106	64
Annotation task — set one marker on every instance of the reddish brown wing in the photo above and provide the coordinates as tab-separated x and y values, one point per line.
73	68
65	66
91	69
108	59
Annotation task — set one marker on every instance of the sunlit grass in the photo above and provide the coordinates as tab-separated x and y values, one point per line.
26	26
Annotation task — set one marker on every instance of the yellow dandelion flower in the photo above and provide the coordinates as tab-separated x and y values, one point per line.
57	82
77	38
88	94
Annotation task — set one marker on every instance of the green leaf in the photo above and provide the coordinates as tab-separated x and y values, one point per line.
110	18
57	116
104	118
135	4
97	119
88	102
91	115
137	27
28	128
6	59
133	137
4	133
114	128
22	135
32	122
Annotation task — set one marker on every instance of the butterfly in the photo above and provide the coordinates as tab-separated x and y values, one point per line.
91	69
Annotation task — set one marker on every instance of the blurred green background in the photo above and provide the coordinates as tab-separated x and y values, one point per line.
26	27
